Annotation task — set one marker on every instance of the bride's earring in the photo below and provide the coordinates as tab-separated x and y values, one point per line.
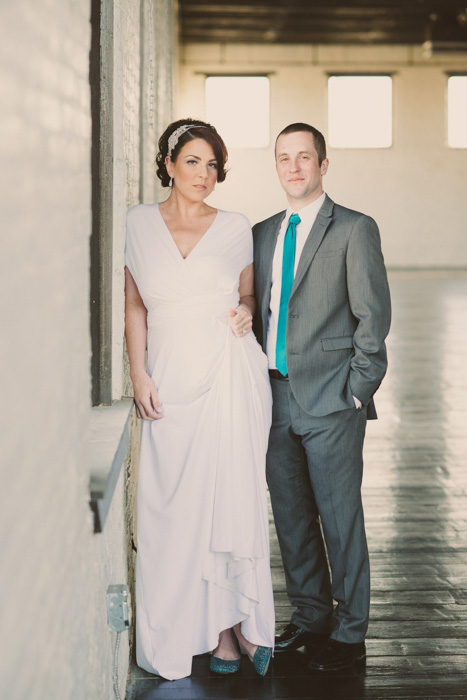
171	182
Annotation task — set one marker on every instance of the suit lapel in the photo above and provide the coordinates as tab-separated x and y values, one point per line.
268	246
316	235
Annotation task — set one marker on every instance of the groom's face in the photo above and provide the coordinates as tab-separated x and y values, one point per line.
298	167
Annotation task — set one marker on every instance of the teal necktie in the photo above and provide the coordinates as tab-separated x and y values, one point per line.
288	274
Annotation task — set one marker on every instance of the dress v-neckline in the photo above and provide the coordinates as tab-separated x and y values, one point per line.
175	246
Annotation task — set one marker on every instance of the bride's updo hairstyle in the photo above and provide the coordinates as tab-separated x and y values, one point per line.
171	143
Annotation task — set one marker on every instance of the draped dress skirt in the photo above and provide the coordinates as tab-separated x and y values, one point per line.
203	545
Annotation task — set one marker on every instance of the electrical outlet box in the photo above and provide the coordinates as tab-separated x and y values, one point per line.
118	607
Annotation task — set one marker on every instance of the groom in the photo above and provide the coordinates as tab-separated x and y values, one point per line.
323	314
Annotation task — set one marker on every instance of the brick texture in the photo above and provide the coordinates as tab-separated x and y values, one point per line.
54	570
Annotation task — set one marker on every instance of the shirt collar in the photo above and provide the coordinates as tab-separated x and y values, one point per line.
309	213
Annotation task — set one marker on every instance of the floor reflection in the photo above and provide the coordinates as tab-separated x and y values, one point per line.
415	495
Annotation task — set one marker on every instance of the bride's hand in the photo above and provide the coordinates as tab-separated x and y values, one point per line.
148	406
241	321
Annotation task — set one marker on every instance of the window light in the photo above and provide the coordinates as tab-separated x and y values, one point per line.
360	111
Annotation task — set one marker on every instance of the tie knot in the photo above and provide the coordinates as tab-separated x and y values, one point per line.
294	219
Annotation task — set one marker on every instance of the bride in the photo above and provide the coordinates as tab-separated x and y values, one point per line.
203	580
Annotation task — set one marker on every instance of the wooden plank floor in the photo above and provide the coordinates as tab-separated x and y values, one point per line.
415	495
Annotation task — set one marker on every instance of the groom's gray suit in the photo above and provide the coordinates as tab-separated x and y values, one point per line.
338	318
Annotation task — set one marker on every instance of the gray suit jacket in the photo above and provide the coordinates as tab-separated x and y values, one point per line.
339	309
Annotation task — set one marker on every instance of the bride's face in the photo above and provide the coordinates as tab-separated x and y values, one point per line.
194	172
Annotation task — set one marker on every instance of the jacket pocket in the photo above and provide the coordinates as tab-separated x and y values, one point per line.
341	343
330	253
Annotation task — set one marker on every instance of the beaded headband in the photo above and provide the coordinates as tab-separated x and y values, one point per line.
175	135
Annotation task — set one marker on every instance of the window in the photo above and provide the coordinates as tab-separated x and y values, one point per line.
457	111
360	111
238	106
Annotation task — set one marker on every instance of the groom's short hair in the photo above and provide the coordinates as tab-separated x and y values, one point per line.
318	138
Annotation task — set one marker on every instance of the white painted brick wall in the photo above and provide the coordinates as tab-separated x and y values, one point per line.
126	168
54	574
46	529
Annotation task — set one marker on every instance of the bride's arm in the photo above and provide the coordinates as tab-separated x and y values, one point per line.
241	320
136	333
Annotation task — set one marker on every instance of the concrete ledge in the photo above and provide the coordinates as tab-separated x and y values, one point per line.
108	445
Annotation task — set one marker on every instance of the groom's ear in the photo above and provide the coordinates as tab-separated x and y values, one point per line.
324	167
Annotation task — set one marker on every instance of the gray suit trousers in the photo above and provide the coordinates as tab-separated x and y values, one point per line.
314	473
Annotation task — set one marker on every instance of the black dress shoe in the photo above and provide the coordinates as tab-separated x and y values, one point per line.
337	655
294	637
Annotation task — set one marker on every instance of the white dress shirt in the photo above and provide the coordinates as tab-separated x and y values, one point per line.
307	218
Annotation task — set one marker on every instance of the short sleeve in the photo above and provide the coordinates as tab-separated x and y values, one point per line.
130	258
247	241
249	248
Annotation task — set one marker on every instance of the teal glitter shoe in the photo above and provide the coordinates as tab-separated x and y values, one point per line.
224	666
261	660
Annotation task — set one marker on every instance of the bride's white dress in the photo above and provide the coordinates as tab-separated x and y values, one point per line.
203	545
